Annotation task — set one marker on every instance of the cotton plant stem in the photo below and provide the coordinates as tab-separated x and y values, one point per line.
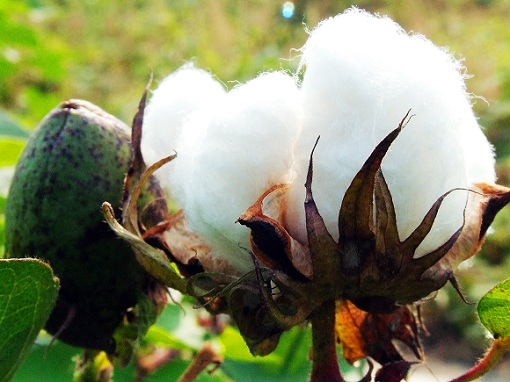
205	357
491	359
324	360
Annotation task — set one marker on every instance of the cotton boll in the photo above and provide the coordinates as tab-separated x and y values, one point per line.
362	73
177	97
230	155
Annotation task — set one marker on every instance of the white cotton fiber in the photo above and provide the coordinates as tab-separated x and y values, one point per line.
362	73
230	155
177	97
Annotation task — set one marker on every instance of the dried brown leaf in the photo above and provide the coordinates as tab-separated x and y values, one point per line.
349	320
363	334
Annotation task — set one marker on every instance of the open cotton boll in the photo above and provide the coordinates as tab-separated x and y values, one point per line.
230	155
362	73
177	97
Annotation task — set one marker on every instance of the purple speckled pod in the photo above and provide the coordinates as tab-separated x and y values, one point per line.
75	160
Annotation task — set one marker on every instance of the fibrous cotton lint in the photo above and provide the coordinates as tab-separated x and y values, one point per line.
231	154
361	75
178	96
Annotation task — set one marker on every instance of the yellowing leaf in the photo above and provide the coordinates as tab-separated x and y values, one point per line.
364	334
348	322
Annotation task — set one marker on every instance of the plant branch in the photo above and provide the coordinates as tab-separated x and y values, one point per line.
491	359
324	360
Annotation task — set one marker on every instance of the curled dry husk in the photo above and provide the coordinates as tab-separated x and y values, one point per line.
370	265
371	273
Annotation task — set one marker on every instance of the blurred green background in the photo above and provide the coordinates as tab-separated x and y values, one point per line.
104	52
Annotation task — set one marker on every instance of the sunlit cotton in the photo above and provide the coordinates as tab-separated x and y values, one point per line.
230	155
361	74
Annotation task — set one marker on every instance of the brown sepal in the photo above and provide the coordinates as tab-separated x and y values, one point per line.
497	198
484	202
324	252
139	183
259	331
271	243
179	242
355	220
382	268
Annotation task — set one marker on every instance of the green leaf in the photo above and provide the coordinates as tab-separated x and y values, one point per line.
494	310
10	128
2	225
2	235
49	364
236	349
160	337
28	291
3	199
170	318
289	362
10	150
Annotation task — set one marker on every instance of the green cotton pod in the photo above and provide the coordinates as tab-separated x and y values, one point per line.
75	160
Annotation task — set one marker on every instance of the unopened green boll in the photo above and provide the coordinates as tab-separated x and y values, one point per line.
76	159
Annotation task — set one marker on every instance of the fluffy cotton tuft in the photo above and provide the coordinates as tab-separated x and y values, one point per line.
178	96
362	73
230	155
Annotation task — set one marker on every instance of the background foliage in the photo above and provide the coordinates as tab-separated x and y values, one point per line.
104	51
